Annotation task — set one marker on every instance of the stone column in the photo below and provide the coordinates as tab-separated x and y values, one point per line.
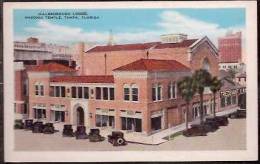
146	123
117	120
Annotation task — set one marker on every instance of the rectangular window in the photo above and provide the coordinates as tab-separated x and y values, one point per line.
112	93
86	93
51	91
41	90
59	116
159	93
154	94
169	92
39	113
98	93
79	92
25	89
57	91
105	93
73	92
223	103
36	90
62	91
229	100
134	94
98	120
234	99
173	91
126	94
25	109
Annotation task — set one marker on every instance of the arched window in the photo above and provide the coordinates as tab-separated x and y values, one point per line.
157	92
39	89
172	90
206	64
126	92
134	92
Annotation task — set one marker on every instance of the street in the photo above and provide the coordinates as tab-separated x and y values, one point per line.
231	137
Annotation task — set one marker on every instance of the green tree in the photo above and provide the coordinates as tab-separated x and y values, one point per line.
232	73
186	88
202	79
215	86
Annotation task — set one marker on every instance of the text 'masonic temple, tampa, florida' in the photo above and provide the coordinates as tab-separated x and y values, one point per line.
129	87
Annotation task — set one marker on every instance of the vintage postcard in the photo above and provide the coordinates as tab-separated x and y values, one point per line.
130	81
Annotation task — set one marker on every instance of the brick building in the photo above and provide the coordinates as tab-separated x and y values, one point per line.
129	87
230	48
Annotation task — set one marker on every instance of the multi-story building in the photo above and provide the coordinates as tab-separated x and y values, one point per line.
33	52
230	52
129	87
230	48
193	53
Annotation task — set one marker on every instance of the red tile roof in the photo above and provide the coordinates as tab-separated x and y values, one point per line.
142	46
123	47
153	65
185	43
50	67
84	79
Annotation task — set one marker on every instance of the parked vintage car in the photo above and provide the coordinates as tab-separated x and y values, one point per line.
240	113
195	130
37	127
94	136
28	124
48	128
222	120
18	124
210	125
80	133
117	138
67	131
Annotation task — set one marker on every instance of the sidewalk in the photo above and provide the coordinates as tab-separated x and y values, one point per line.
157	138
154	139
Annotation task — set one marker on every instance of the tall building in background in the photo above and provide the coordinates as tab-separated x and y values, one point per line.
230	52
230	48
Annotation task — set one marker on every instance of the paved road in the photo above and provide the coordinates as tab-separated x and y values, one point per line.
231	137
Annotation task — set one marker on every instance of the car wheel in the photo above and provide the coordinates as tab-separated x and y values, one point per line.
120	141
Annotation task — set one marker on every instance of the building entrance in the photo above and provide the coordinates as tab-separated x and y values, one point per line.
80	116
156	123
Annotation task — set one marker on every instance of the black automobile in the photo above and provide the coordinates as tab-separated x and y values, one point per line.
80	133
38	127
222	120
28	124
195	130
240	113
94	136
18	124
48	128
67	131
117	138
210	125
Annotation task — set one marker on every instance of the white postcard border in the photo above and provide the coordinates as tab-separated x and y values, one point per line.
98	156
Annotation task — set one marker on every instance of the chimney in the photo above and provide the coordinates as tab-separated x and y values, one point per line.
173	38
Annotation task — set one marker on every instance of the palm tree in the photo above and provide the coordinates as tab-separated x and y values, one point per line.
232	73
187	89
215	86
202	79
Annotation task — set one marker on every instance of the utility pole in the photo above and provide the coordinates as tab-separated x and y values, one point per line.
105	57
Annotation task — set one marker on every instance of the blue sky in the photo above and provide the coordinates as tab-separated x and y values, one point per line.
128	25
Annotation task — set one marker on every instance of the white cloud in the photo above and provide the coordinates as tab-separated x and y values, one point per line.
170	22
174	22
